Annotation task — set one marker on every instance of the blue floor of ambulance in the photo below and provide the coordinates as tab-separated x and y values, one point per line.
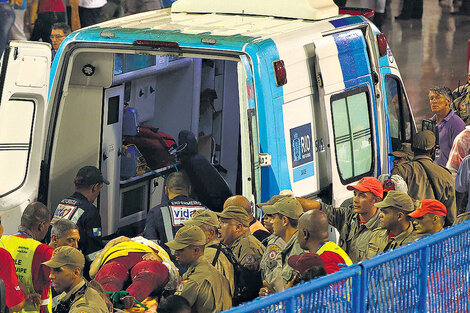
429	52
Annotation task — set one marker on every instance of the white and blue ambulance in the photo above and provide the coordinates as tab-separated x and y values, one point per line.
306	100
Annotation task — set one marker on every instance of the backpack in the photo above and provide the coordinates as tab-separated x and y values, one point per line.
155	146
247	282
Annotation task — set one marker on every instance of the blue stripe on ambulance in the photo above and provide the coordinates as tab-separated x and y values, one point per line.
385	71
354	61
347	21
271	122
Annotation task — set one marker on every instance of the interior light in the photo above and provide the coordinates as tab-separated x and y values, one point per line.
280	70
157	44
382	43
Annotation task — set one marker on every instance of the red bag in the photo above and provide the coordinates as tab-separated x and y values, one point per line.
154	146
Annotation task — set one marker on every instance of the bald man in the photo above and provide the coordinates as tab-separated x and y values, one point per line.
256	228
313	236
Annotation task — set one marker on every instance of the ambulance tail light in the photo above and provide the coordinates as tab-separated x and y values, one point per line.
382	43
281	75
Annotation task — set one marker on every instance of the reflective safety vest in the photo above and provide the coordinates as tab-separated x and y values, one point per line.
22	251
333	247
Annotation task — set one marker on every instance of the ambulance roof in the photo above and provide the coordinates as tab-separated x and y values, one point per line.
232	27
299	9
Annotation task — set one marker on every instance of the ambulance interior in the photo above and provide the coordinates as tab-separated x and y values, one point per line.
108	97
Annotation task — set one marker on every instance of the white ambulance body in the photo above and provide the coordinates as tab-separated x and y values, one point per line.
307	100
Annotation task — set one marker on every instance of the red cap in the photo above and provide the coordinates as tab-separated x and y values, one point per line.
429	206
370	184
305	261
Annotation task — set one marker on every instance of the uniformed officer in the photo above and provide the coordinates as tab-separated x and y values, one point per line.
395	229
403	154
284	214
247	250
79	208
429	216
234	223
356	222
165	219
208	221
256	228
425	179
203	286
461	103
66	266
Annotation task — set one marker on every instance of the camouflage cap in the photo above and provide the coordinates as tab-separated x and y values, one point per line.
237	213
203	216
424	140
397	200
190	235
403	152
66	255
289	207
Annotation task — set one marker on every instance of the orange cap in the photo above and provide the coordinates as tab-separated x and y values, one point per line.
429	206
370	184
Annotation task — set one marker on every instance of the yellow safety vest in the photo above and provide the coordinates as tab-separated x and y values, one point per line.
22	251
333	247
124	248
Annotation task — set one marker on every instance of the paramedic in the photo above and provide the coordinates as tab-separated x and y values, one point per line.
66	267
13	294
429	216
209	224
395	229
165	219
256	228
356	222
313	236
449	123
29	254
203	286
79	208
284	215
425	179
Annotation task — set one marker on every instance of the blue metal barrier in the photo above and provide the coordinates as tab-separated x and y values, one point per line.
430	275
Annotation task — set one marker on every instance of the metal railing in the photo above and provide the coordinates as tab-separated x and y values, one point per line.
429	275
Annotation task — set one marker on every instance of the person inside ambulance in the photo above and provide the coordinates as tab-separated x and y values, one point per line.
79	208
28	253
142	262
164	220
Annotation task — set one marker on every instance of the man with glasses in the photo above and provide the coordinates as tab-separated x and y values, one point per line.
58	34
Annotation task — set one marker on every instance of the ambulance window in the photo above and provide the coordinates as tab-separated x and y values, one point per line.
400	118
16	122
353	134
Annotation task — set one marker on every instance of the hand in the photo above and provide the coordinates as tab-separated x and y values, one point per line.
152	257
294	281
266	289
33	299
127	302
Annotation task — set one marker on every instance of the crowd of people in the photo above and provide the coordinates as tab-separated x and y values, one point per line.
36	20
210	262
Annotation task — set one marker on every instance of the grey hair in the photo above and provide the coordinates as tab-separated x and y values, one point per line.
443	90
62	226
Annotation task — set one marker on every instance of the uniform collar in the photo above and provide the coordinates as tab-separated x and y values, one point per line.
72	291
246	234
290	243
371	224
214	241
193	266
403	235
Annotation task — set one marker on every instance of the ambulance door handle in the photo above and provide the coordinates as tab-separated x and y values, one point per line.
119	152
104	156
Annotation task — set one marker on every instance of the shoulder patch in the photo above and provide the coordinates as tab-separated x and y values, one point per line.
249	259
181	286
272	254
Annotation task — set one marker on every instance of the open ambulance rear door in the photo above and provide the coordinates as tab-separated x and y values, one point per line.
24	84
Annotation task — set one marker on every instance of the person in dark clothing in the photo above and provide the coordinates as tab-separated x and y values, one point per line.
164	220
412	9
79	208
49	13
